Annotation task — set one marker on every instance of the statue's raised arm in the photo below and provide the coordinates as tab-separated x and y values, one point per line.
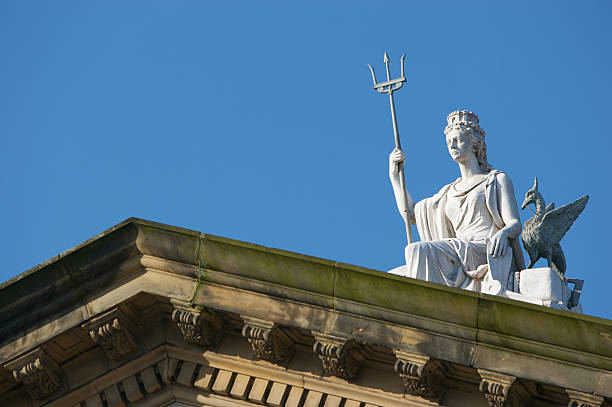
404	201
469	228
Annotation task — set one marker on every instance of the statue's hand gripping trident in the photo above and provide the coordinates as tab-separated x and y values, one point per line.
388	87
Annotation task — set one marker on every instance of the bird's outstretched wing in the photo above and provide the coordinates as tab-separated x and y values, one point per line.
558	221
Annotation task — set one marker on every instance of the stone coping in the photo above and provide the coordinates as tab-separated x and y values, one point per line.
67	281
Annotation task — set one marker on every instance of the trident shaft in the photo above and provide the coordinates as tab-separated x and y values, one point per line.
388	87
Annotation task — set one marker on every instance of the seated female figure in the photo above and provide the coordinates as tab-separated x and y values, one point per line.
468	221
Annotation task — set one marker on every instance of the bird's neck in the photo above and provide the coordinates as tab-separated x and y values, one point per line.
540	206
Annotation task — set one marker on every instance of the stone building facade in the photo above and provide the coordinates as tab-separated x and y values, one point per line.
147	314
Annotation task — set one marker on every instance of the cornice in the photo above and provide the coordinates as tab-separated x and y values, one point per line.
208	273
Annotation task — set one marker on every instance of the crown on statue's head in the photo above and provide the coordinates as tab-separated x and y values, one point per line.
462	116
465	118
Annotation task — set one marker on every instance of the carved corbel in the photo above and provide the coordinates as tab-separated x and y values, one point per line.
496	387
267	340
198	325
421	375
580	399
40	375
114	332
340	356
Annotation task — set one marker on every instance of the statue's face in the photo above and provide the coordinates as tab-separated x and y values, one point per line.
459	145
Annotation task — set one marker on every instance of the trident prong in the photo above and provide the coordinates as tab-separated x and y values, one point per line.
386	59
390	86
373	74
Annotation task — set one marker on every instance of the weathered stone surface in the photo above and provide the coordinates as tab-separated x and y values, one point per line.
113	397
204	379
131	389
276	397
496	387
114	332
240	386
420	375
378	311
340	356
186	374
64	280
313	399
39	374
295	396
149	380
223	382
267	340
258	391
199	326
580	399
365	286
333	401
261	263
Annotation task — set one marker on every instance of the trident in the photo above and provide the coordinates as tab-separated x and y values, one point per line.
389	87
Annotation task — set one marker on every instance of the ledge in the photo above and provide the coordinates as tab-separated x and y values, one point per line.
112	258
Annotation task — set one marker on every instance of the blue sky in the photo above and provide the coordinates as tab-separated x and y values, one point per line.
257	120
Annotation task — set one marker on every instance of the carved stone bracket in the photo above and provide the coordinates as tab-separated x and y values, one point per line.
421	375
580	399
38	372
267	340
340	356
200	326
496	387
114	332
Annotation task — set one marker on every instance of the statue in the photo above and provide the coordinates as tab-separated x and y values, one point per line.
544	231
469	229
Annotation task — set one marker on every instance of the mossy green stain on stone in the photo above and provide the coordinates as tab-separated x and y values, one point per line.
546	326
196	291
169	245
269	265
406	295
85	270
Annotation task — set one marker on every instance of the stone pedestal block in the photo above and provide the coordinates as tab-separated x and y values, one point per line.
545	284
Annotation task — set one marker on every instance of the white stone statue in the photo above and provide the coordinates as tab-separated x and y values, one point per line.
469	230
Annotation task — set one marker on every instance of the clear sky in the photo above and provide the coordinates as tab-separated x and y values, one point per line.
257	120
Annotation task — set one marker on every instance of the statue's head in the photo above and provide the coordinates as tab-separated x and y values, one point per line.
466	123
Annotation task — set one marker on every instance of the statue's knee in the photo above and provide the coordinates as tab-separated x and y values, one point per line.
414	248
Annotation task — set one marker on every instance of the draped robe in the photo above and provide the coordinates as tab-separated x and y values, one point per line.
455	227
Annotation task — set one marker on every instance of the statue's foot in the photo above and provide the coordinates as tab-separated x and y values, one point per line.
492	287
479	273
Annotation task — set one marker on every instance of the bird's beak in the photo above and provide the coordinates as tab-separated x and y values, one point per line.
524	205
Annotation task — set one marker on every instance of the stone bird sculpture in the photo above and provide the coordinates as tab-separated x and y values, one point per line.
543	232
